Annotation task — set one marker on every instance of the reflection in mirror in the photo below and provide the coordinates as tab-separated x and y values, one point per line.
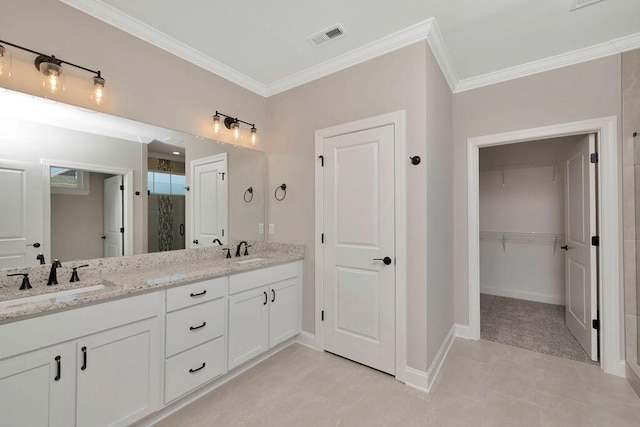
72	152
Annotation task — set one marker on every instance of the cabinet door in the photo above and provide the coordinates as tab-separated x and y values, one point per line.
284	316
38	388
248	325
118	373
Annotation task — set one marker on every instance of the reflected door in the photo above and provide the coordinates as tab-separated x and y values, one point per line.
209	186
358	214
21	222
113	217
580	270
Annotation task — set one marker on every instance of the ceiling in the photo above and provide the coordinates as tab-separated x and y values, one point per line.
263	45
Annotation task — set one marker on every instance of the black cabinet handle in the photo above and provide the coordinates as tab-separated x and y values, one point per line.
198	294
273	292
565	247
182	229
197	369
193	328
266	298
386	260
84	358
58	368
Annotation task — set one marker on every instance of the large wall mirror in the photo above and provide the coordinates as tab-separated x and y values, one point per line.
77	184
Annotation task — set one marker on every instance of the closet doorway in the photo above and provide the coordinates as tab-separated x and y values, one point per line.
538	267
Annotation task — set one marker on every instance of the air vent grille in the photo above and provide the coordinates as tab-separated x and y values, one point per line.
325	35
577	4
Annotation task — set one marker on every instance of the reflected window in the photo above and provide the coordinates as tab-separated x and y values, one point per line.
69	181
165	183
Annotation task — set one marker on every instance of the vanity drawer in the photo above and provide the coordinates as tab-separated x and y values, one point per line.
186	371
261	277
195	325
195	293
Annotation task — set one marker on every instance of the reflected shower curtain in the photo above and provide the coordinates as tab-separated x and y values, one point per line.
165	213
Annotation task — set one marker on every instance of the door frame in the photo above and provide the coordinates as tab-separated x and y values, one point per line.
609	221
398	120
127	205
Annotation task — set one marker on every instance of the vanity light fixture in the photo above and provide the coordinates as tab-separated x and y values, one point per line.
51	72
233	123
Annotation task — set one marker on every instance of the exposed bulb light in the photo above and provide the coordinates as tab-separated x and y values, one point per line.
98	93
235	128
254	134
51	77
5	63
216	124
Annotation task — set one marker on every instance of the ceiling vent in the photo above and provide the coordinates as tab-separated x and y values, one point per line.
577	4
327	34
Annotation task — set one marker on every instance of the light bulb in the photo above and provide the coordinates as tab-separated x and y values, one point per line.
254	135
52	78
235	127
98	94
5	63
216	124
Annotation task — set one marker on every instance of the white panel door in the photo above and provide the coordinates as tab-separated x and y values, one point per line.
21	221
209	186
581	271
358	213
113	217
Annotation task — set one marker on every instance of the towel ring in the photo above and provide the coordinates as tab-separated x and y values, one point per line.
282	187
250	191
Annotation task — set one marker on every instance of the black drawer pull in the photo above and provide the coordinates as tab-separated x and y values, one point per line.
59	368
273	292
266	298
197	369
199	294
84	358
193	328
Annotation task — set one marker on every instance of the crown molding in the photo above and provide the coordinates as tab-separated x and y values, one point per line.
440	52
400	39
139	29
612	47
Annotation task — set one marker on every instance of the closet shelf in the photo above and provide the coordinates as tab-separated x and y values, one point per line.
505	236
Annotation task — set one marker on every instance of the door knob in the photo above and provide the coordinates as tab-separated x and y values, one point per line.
386	260
565	247
35	245
195	241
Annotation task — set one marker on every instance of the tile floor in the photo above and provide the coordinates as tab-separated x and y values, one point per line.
482	383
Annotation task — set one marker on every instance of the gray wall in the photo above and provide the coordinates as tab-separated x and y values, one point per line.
579	92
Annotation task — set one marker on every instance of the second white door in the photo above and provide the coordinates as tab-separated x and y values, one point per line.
113	217
209	203
359	247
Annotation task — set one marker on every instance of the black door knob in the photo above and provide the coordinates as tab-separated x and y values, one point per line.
195	241
565	247
386	260
35	245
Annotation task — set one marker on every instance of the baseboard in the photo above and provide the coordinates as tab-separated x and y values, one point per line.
529	296
176	405
416	379
307	339
463	331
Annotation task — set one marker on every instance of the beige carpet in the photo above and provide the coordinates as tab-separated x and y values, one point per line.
531	325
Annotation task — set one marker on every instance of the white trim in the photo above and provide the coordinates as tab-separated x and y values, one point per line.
139	29
176	405
127	206
390	43
525	295
611	47
416	379
398	120
440	52
462	331
610	224
306	339
436	365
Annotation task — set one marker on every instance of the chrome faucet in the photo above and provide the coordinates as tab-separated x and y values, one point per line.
246	248
53	276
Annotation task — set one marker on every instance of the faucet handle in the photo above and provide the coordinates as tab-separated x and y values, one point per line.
40	258
74	273
246	249
228	252
25	280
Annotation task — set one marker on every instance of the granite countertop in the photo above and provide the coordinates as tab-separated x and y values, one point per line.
127	276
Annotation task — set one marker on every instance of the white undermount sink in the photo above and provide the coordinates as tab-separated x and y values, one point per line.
61	296
247	261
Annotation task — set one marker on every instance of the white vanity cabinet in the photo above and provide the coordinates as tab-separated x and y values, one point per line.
106	371
195	344
264	310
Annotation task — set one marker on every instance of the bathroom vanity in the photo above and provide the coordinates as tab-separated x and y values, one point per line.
160	328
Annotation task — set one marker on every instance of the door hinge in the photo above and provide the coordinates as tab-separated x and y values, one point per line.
322	315
321	160
122	188
594	157
122	229
223	232
595	241
222	173
322	238
595	324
